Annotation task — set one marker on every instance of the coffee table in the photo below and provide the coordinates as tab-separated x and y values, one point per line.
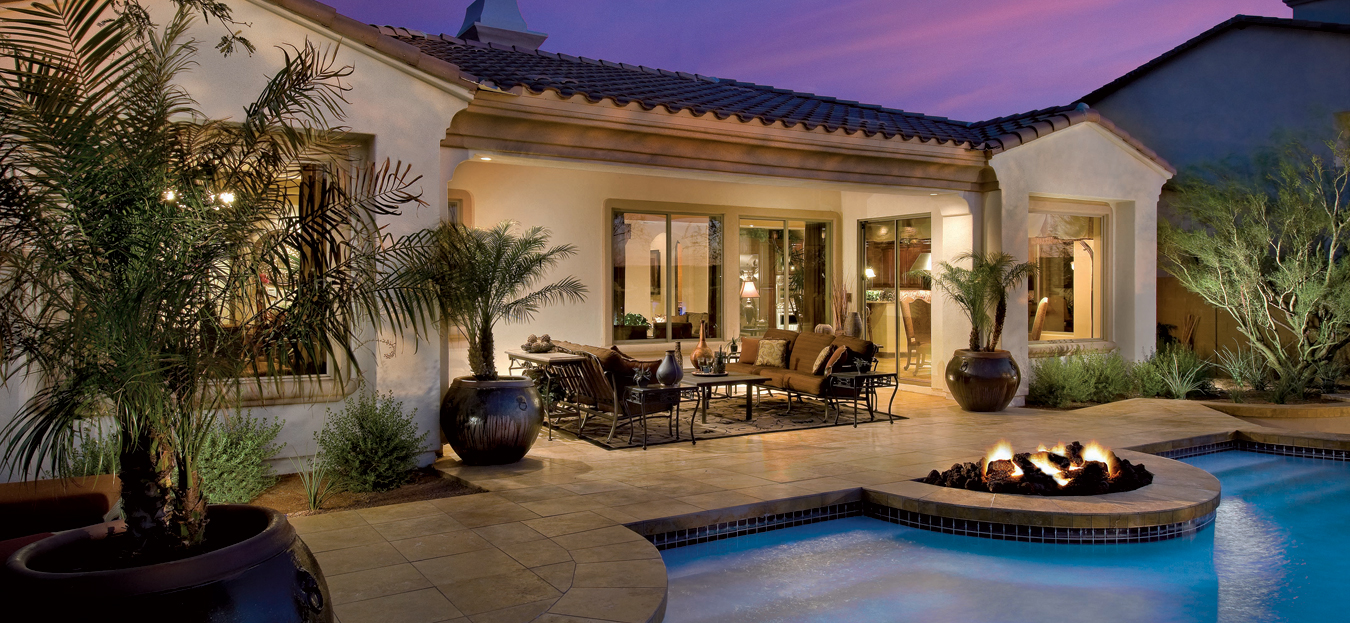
705	385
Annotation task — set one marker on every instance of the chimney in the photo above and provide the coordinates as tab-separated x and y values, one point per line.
500	22
1333	11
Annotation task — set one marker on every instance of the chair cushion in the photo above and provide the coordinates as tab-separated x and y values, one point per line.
806	350
772	353
804	383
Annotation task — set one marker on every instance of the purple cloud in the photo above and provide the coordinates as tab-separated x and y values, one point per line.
969	60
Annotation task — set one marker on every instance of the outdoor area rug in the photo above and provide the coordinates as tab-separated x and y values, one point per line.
726	418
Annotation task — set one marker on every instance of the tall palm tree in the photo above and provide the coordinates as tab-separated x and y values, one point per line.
152	260
485	276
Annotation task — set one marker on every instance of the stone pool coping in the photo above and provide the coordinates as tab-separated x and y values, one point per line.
376	571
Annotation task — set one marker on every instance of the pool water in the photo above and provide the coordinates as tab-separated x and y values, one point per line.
1276	552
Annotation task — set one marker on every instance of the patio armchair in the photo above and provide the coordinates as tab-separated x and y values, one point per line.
591	390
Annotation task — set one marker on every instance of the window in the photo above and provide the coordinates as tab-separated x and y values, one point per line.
667	275
305	251
784	275
1067	297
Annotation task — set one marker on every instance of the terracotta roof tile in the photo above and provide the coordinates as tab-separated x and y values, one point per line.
507	68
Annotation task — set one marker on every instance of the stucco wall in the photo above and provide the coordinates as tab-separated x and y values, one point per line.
1086	162
394	112
575	204
1241	90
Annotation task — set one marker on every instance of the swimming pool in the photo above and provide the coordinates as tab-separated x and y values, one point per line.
1275	553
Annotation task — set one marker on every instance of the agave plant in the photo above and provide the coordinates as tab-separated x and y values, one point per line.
981	292
485	276
152	260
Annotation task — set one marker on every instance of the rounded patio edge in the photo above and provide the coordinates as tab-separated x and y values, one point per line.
1181	500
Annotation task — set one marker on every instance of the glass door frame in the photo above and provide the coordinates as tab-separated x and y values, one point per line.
781	294
863	283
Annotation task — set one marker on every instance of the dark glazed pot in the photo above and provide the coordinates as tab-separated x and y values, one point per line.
266	575
983	381
491	422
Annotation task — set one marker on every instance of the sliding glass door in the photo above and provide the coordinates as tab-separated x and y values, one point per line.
784	275
897	303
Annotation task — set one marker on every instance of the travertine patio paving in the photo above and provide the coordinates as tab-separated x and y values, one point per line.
548	542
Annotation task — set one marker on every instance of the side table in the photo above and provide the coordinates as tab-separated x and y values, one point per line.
862	386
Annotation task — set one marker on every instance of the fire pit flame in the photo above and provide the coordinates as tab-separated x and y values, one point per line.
1001	452
1042	461
1065	469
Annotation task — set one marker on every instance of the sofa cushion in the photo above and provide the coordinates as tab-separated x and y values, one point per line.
743	368
775	376
806	349
772	353
749	349
804	383
782	334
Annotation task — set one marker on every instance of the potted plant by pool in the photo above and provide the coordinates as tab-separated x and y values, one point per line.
982	377
152	262
482	277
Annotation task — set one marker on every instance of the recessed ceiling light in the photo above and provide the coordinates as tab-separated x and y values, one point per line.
930	194
484	158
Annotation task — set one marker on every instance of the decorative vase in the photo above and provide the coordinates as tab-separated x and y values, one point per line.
983	382
701	353
491	422
257	569
670	372
854	328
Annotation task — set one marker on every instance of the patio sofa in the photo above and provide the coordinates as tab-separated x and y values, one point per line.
801	377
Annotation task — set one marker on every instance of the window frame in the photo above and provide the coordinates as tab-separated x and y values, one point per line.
1062	206
668	273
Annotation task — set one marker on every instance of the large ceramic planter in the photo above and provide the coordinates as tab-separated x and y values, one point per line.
265	574
983	381
491	422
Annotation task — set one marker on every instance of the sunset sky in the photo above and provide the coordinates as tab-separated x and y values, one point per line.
964	59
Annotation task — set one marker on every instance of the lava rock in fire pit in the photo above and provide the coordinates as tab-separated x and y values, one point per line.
1071	469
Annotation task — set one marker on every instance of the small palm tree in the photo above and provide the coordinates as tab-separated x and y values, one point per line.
981	292
153	260
485	276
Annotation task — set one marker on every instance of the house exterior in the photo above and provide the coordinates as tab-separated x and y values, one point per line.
692	198
1244	86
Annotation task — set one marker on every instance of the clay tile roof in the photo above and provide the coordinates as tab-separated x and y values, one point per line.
505	68
1236	23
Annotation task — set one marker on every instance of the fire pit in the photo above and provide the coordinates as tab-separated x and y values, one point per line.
1072	469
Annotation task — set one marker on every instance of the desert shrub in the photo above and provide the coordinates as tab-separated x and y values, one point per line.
1090	377
94	455
1246	367
233	461
1171	372
371	445
1058	381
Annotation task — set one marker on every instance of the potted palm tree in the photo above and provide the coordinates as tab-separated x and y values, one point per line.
982	377
482	277
152	261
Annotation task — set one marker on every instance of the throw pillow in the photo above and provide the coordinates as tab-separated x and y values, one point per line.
838	358
772	354
749	350
824	357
